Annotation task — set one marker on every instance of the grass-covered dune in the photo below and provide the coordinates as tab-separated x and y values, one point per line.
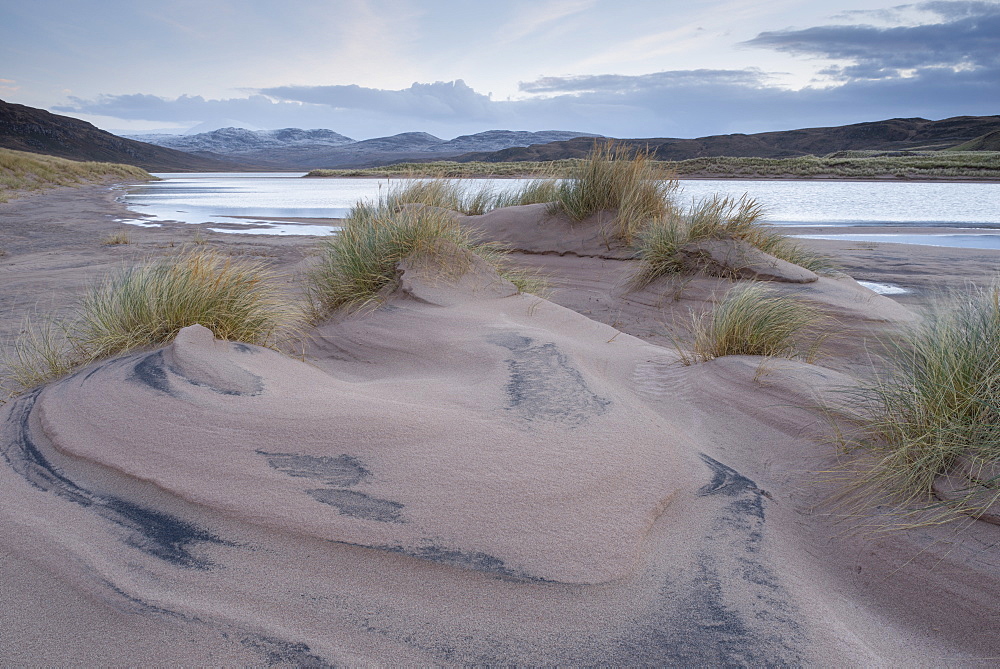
960	165
21	172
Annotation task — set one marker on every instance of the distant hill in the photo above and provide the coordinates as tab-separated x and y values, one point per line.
38	131
900	134
988	142
296	149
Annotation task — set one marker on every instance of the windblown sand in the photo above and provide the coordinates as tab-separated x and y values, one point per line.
465	475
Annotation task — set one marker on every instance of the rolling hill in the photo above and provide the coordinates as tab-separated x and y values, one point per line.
33	130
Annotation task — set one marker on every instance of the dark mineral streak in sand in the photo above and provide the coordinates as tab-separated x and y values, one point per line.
732	611
340	472
159	534
544	385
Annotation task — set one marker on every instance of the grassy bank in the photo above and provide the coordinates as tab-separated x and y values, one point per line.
22	171
974	165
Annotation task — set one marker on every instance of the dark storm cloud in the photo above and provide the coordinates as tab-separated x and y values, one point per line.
967	37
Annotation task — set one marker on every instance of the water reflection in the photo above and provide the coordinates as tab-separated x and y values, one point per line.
268	198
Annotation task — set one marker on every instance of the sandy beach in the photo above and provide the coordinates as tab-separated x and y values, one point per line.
466	475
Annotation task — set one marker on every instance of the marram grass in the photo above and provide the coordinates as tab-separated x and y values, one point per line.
938	402
359	261
615	178
753	319
146	305
465	197
659	243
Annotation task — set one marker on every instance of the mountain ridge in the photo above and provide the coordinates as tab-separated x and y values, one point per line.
900	134
292	148
24	128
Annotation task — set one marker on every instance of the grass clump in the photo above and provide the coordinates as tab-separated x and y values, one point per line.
939	401
467	198
360	260
23	171
659	244
147	305
616	178
117	238
753	319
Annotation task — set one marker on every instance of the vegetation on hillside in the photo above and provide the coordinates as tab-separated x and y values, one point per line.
21	171
976	165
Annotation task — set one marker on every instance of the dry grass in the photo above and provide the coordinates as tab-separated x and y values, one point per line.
615	178
938	402
117	238
22	171
659	244
146	305
754	319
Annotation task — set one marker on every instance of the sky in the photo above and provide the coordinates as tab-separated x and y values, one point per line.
621	68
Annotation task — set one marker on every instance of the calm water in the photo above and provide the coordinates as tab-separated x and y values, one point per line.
265	198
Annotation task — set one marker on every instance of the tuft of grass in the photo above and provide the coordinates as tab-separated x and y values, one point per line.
117	238
659	244
617	178
147	305
753	319
360	260
22	171
464	197
40	353
938	402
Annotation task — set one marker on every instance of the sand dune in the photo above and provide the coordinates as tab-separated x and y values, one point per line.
467	475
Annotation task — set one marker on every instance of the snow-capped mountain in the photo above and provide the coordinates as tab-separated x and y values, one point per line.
293	148
240	141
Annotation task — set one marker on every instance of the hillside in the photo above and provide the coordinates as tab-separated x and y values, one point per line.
891	135
22	172
33	130
988	142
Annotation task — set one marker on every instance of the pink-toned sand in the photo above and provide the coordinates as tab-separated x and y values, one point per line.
465	475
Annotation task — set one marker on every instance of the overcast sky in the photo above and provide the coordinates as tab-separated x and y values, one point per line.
624	68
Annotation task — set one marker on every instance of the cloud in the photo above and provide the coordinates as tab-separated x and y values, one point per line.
621	84
947	64
966	36
439	100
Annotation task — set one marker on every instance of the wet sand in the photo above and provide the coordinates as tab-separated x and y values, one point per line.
463	476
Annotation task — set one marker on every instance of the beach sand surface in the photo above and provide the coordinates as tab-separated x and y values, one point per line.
465	474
